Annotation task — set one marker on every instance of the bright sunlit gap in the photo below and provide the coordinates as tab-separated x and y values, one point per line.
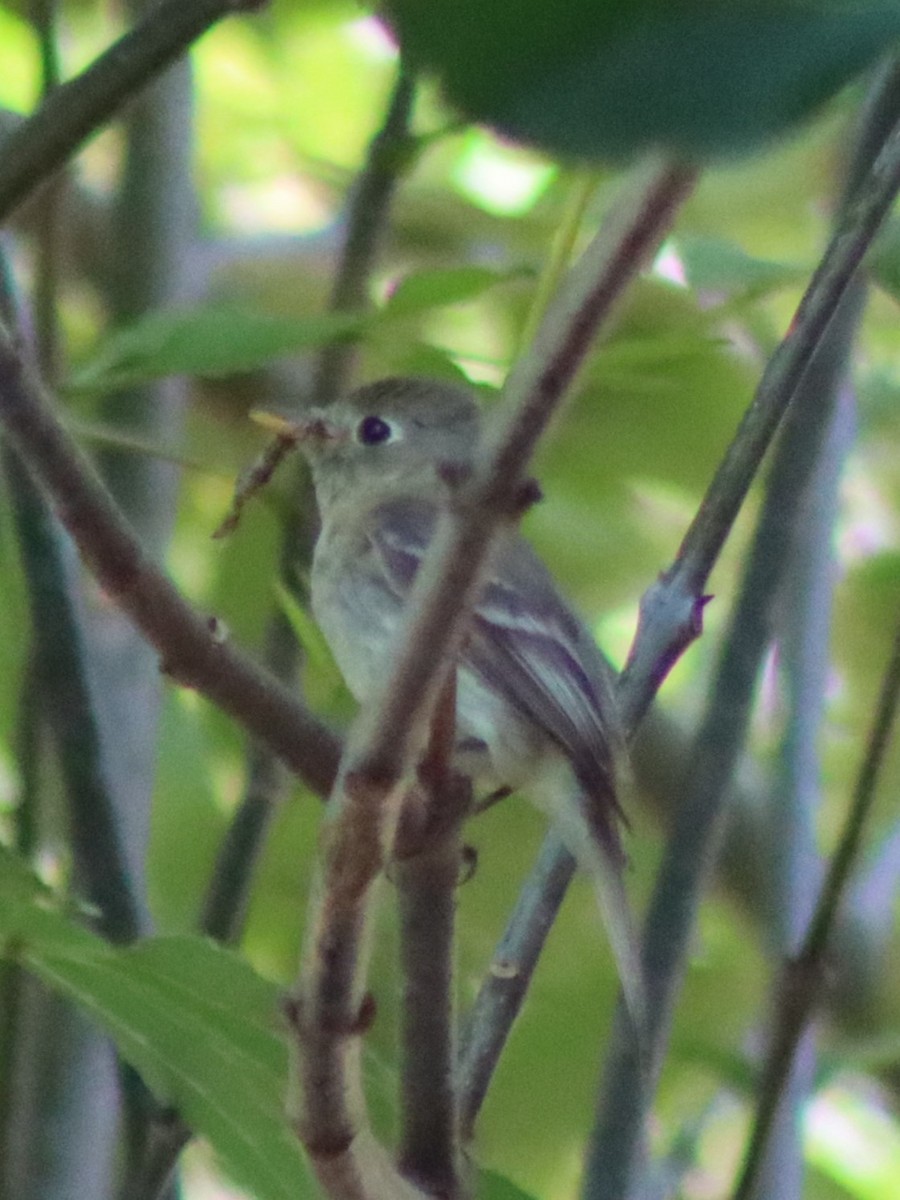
283	205
668	265
501	179
867	526
18	57
852	1138
371	36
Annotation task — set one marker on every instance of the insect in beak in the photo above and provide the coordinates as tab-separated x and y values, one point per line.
315	427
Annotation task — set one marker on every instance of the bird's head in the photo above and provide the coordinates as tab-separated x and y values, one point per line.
391	438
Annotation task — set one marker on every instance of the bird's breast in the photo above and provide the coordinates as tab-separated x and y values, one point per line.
356	615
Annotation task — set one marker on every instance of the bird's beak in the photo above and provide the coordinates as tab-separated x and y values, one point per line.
315	427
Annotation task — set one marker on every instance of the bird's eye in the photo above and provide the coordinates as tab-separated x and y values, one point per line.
372	431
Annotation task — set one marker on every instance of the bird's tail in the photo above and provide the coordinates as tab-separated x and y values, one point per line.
598	852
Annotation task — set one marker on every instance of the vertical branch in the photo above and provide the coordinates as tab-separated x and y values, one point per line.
64	1076
804	613
802	981
366	220
426	874
388	157
154	226
502	994
427	882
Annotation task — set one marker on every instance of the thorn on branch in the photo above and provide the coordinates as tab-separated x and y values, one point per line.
527	495
468	863
697	615
218	629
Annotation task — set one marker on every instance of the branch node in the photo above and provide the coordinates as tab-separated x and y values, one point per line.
502	968
218	630
292	1008
697	613
468	864
528	493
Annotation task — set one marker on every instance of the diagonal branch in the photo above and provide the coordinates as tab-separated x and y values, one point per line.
192	648
671	610
330	1009
824	326
47	139
802	982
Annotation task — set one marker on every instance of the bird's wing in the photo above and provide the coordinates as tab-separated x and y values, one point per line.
528	647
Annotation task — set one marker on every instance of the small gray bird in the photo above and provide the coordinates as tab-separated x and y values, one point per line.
535	697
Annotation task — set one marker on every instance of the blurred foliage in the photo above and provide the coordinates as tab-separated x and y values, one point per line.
600	79
285	104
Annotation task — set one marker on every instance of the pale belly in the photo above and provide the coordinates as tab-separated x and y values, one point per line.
497	747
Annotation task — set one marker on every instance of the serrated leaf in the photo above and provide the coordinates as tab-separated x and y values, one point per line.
441	286
610	78
193	1018
207	342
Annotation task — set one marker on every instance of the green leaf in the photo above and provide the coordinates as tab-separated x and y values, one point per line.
609	78
209	342
714	264
493	1186
322	680
884	261
441	286
215	341
193	1018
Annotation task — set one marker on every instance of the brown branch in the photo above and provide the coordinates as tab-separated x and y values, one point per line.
330	1009
192	649
426	882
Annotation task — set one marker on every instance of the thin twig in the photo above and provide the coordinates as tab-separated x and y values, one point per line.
331	1010
501	996
365	225
62	677
803	976
96	839
533	392
39	146
804	617
627	1087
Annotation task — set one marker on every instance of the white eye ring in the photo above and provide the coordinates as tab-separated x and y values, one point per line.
376	431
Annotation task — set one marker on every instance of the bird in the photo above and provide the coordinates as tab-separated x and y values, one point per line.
535	696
